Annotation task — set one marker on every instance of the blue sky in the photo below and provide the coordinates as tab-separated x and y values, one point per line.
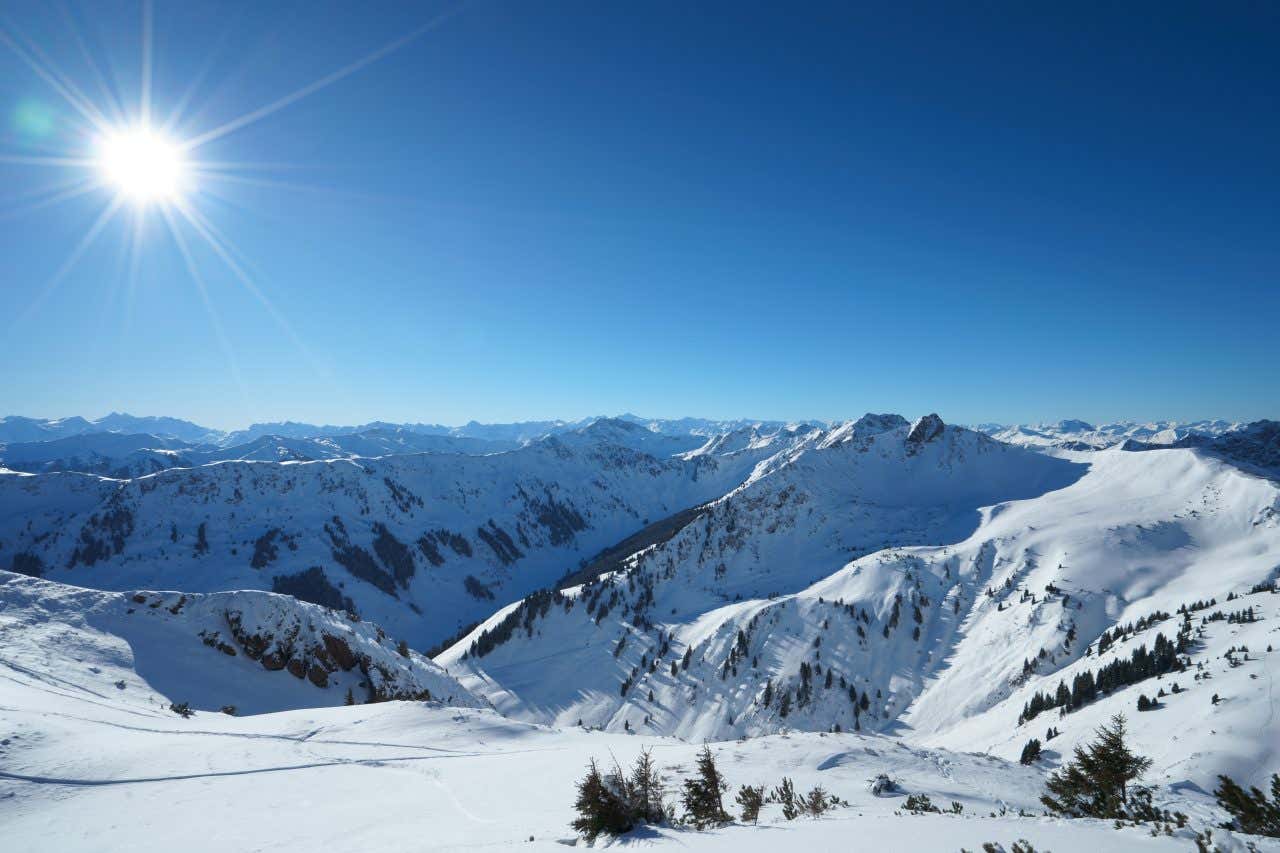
569	208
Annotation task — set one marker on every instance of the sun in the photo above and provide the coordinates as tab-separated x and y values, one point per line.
143	166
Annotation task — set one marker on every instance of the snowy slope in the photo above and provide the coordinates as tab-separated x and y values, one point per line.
254	651
423	544
758	586
800	516
87	766
877	596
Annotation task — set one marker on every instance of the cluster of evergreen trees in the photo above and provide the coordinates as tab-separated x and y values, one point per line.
1118	633
613	803
1086	687
1235	617
804	691
616	802
534	607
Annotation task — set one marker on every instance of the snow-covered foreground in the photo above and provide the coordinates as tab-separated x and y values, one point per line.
83	775
916	600
87	765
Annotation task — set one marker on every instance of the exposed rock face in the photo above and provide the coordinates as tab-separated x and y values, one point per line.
339	651
925	429
318	676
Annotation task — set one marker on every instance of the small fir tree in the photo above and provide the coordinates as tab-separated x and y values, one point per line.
645	790
750	798
785	794
703	805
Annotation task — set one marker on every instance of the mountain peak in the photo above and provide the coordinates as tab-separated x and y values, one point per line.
925	429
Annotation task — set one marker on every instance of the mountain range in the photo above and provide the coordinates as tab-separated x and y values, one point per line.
915	592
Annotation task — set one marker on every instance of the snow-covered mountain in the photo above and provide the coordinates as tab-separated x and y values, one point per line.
1255	447
422	543
922	580
15	428
105	699
123	455
1080	435
826	603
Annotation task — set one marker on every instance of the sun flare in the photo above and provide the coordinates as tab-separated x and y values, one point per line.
143	166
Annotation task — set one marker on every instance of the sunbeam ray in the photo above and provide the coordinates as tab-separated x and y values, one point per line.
144	106
76	253
323	82
134	268
84	186
36	192
67	89
26	160
189	261
184	100
219	166
224	249
268	183
108	94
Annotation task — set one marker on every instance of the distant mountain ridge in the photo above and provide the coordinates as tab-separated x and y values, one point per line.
1073	434
19	429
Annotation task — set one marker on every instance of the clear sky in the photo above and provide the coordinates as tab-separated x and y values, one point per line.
1001	212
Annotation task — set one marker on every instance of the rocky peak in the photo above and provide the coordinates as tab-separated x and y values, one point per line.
926	429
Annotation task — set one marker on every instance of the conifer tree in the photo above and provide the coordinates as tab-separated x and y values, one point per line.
645	790
751	798
1095	783
817	801
600	809
786	795
703	805
1250	810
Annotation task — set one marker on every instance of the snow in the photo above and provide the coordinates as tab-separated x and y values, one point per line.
85	771
144	649
559	501
1081	435
941	575
1131	534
